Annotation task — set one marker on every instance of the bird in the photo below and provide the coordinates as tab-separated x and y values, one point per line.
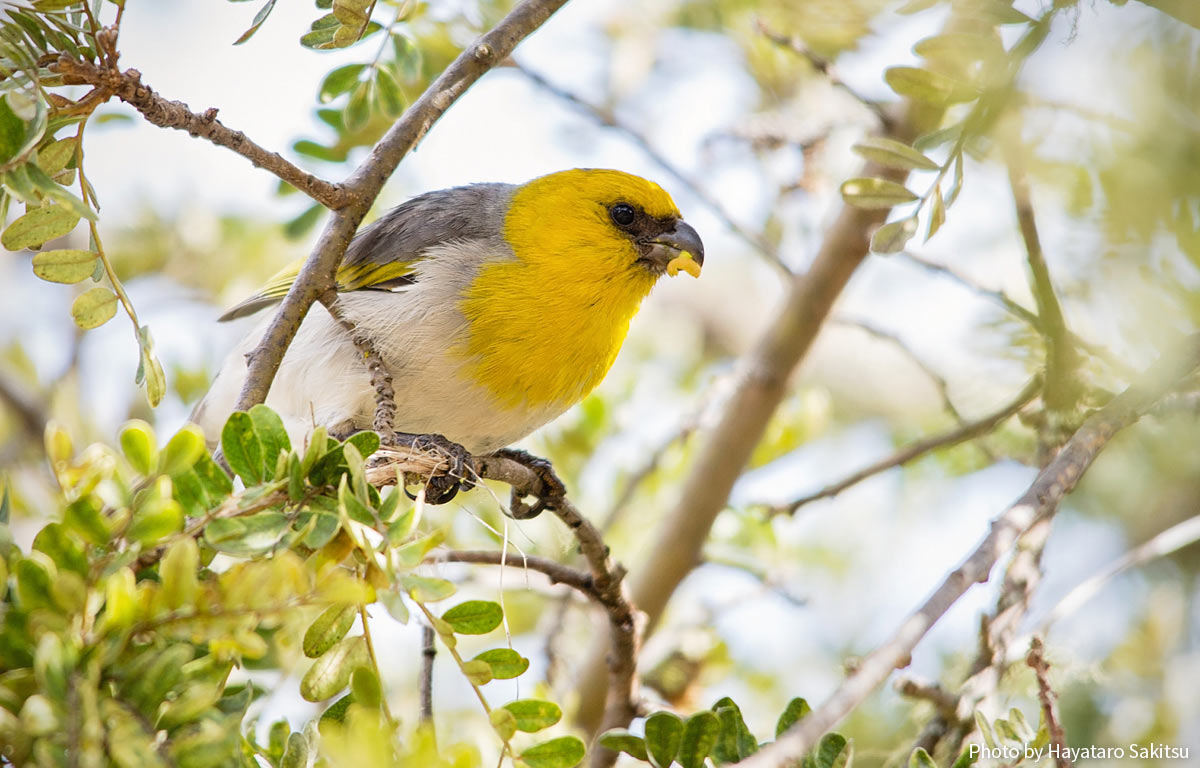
494	307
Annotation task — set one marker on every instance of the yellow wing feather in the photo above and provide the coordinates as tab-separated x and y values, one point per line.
349	278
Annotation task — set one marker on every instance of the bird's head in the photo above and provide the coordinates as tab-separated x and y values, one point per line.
608	224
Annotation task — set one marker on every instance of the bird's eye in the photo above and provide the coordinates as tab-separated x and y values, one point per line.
623	214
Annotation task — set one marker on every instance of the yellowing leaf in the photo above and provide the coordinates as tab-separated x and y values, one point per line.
37	226
875	193
68	265
94	308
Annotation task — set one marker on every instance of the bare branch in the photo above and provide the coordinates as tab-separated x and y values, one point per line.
1039	502
128	87
555	571
1041	670
606	118
381	379
927	690
970	430
317	275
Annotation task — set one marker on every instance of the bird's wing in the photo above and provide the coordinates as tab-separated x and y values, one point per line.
384	255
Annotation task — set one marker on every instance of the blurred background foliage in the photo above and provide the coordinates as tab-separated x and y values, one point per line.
752	105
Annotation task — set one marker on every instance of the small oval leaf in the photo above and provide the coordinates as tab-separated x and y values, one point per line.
38	226
927	86
865	192
474	617
534	714
563	752
893	154
664	734
94	308
328	629
894	235
505	663
621	740
331	673
67	265
699	737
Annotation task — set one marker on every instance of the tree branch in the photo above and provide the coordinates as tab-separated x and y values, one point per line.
555	571
317	275
967	431
128	87
1039	502
428	653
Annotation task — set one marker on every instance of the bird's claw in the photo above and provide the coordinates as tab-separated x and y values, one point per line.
439	489
548	496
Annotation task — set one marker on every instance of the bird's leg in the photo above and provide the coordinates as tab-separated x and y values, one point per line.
439	489
552	490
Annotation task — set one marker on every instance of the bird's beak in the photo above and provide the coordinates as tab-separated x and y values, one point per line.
678	249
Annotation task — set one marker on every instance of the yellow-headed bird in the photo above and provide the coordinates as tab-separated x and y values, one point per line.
495	308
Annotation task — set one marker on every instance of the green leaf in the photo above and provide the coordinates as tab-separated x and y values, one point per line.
621	740
534	714
894	235
320	34
563	752
300	225
38	226
259	18
178	573
795	710
426	590
183	450
387	90
920	759
328	629
68	265
365	687
664	733
832	751
699	737
478	672
57	155
155	520
893	154
735	742
927	86
247	536
271	435
336	712
503	722
505	663
358	108
339	81
937	213
960	48
242	449
137	443
411	554
331	673
474	617
966	758
94	307
84	517
295	754
875	193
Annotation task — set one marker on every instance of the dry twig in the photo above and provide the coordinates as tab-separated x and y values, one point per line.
1046	696
971	429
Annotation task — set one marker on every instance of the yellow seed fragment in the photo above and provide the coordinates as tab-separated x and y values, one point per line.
684	262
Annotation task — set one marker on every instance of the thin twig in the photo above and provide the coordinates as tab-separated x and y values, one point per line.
822	65
939	381
317	275
428	652
381	379
128	87
927	690
1046	696
556	572
1171	540
606	118
1040	501
921	447
1018	311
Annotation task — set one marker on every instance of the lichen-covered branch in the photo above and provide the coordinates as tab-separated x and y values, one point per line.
1039	502
317	275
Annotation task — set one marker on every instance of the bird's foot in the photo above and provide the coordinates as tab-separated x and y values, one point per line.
439	488
548	496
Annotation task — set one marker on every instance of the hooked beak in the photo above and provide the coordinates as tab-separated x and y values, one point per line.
679	248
